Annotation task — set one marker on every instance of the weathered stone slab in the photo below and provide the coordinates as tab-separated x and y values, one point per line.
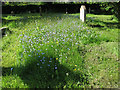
12	13
40	10
5	30
66	11
83	13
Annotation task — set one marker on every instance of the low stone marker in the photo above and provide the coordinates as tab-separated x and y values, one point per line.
5	30
83	13
12	13
29	12
89	9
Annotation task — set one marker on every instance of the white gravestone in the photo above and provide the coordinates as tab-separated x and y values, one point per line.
83	13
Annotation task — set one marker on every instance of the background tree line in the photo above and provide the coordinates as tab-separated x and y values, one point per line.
72	7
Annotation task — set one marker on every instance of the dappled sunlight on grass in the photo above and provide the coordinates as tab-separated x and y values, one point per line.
55	50
20	16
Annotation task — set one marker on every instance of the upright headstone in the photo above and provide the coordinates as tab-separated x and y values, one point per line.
29	12
83	13
89	9
12	13
66	11
40	11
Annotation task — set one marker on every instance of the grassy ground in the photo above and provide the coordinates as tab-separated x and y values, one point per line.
102	60
57	50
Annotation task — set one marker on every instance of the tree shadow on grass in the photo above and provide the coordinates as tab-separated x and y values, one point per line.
96	23
26	17
24	20
48	72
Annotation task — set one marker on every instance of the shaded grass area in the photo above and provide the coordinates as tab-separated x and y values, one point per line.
34	77
106	25
91	62
102	21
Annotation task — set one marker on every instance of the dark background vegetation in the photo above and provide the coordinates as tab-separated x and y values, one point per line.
71	8
92	7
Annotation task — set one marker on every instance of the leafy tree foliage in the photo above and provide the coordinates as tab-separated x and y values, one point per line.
114	7
21	3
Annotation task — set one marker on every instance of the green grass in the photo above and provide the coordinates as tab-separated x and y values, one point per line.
58	50
20	16
102	63
102	60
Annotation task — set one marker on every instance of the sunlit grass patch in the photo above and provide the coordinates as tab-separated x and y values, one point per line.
102	64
